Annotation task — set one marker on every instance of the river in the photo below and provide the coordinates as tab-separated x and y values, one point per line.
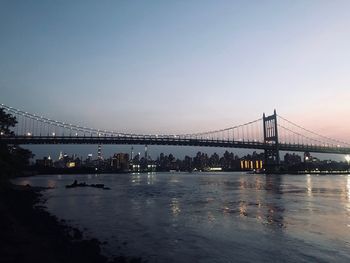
208	217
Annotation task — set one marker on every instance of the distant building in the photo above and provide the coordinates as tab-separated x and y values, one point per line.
307	157
310	159
120	161
99	152
45	162
292	159
70	164
251	164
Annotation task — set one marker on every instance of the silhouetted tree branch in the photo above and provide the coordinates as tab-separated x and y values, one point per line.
13	159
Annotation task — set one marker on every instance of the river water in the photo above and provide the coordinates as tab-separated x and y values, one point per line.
209	217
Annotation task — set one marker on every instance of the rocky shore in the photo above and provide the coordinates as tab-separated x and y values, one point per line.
28	233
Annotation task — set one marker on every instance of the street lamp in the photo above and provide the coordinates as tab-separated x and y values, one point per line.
347	158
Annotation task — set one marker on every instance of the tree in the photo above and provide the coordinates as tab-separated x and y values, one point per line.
6	122
13	159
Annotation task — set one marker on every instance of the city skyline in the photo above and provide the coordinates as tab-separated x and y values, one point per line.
177	67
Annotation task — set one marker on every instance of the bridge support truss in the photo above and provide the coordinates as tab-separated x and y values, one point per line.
272	157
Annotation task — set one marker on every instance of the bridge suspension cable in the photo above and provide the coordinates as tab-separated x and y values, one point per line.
290	131
38	125
245	132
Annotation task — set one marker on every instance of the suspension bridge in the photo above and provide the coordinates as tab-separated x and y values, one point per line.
272	134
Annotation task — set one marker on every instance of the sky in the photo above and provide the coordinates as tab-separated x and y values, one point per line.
178	66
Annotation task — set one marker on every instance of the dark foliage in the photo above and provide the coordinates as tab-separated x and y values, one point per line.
13	159
7	121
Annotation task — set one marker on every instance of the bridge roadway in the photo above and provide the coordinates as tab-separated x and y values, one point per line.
170	140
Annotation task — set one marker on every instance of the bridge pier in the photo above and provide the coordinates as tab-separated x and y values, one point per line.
272	157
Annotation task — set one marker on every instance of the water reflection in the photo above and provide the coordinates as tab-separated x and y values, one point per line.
255	218
275	209
259	184
51	183
259	197
150	178
175	207
242	184
273	184
210	216
309	185
135	178
348	203
243	209
348	187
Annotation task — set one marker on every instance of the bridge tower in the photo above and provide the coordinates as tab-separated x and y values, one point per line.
272	157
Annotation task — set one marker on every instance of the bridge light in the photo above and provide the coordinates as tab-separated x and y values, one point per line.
29	134
347	158
53	134
1	133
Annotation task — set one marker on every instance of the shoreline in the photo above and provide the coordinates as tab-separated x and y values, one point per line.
28	233
291	172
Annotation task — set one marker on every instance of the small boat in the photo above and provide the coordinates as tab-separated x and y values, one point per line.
76	184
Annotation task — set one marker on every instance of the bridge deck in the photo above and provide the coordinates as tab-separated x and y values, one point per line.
171	141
